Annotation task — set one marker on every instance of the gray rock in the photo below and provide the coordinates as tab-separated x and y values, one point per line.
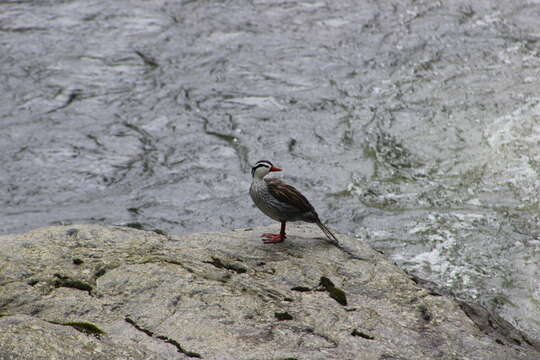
92	292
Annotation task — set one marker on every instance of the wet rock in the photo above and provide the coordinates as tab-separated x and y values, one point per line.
228	296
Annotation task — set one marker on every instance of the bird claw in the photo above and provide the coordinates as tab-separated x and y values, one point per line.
272	238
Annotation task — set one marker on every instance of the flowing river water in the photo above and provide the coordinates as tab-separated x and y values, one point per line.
414	125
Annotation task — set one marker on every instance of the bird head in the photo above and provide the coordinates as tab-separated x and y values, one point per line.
262	168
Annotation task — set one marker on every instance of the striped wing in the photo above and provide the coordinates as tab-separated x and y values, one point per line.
287	194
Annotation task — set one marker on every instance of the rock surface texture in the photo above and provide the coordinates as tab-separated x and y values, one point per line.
92	292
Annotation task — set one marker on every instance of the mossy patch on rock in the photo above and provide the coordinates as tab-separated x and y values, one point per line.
217	262
135	225
283	316
301	288
32	282
334	292
68	282
83	326
362	334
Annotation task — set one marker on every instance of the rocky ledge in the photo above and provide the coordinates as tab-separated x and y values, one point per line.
92	292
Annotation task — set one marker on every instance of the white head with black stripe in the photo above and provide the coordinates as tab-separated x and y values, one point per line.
262	168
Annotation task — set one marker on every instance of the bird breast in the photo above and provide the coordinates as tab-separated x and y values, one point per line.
271	206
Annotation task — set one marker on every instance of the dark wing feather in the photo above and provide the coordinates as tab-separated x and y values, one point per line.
289	195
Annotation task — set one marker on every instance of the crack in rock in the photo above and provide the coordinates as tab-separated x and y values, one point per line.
164	338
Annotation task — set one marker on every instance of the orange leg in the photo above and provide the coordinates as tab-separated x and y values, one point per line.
275	238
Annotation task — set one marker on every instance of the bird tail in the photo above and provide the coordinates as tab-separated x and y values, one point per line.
328	233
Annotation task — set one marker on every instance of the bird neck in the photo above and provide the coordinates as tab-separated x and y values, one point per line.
258	180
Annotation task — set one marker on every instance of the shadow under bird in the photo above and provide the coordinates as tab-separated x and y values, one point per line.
281	202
